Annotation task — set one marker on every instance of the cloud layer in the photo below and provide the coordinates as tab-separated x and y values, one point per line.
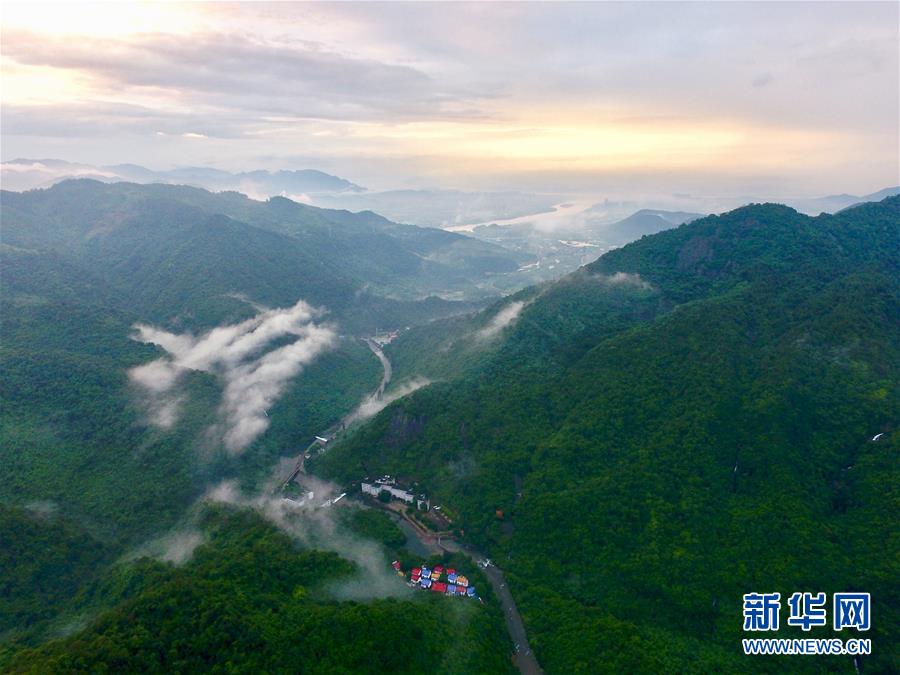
376	91
254	375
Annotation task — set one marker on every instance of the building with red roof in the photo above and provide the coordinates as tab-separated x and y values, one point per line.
439	587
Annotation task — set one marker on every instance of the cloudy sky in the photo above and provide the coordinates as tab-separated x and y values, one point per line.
791	98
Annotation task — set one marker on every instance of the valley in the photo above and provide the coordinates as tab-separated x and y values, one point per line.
418	338
535	431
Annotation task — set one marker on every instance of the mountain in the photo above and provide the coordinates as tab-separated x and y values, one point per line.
685	420
640	223
28	174
835	203
84	262
78	436
259	182
430	208
104	477
273	252
565	244
252	600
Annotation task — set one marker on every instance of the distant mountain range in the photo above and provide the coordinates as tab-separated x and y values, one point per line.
835	203
430	208
27	174
177	251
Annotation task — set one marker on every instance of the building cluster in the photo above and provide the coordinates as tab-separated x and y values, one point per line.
389	485
432	580
386	338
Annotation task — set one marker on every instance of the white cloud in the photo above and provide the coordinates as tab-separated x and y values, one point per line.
625	279
179	546
501	320
374	405
253	377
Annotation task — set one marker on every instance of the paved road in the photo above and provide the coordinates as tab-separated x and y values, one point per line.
385	363
332	431
524	658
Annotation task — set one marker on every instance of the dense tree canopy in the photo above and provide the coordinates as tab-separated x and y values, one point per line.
686	420
251	601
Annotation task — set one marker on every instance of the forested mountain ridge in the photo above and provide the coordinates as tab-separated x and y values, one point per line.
357	265
87	478
251	599
681	422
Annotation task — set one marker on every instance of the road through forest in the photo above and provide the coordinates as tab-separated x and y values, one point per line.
524	658
428	541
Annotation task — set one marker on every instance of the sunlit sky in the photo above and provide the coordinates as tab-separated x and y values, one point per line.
788	98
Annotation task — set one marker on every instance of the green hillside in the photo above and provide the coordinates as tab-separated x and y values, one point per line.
251	600
83	262
683	421
181	255
86	480
73	430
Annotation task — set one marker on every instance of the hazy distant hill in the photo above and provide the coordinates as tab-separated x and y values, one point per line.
835	203
430	208
442	208
27	174
640	223
185	250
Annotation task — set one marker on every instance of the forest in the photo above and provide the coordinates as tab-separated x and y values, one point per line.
685	419
251	600
87	481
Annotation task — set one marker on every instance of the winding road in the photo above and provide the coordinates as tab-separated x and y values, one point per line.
346	420
524	658
424	541
385	363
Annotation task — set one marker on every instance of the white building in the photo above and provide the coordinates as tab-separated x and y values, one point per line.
377	488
